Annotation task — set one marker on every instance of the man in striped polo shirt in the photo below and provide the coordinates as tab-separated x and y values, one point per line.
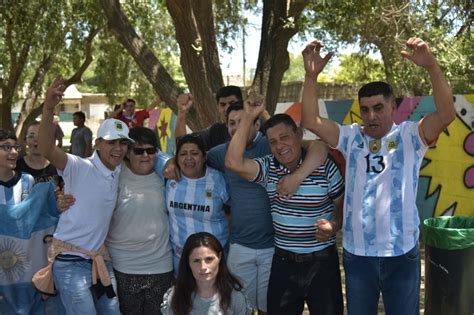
383	161
305	265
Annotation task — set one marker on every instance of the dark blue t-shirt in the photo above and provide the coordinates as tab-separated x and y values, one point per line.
251	223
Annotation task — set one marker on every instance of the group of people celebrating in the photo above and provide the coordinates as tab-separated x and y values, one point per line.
243	218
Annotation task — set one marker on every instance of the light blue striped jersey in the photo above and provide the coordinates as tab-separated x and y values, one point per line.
294	218
196	205
17	192
380	213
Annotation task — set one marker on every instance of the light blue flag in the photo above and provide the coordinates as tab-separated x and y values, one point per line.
22	249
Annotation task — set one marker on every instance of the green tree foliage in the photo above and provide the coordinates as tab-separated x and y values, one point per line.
358	68
384	26
116	73
41	37
296	70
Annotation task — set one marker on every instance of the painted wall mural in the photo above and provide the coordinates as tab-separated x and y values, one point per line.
446	185
163	121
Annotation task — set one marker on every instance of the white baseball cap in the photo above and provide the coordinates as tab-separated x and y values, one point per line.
113	129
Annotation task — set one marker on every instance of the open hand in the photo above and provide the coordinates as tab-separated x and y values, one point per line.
55	93
313	62
171	170
254	106
64	201
420	53
288	185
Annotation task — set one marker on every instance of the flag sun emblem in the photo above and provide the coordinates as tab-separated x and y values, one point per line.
13	261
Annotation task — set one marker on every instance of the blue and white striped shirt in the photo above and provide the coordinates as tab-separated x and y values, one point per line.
294	218
196	205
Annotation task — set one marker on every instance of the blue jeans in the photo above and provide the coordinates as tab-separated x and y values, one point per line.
73	280
397	278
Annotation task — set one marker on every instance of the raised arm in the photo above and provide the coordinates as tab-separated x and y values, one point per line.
184	103
234	159
317	154
46	138
434	123
326	129
116	112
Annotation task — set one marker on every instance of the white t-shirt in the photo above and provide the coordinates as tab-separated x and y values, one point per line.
86	223
138	238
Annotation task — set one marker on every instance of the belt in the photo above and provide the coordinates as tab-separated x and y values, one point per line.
72	258
295	257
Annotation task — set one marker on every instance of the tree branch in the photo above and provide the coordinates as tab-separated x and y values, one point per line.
77	76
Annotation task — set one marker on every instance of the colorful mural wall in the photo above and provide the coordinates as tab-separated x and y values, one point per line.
446	184
163	120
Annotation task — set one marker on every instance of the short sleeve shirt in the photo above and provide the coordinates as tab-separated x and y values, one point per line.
79	137
380	213
86	223
196	205
251	224
136	120
294	218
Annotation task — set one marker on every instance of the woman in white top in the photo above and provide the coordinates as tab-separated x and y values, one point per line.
205	285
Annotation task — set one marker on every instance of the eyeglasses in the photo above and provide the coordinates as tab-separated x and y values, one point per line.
32	136
140	151
9	147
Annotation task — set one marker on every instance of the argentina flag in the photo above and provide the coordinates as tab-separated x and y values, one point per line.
27	214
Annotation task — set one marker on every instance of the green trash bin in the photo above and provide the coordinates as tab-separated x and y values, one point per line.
449	265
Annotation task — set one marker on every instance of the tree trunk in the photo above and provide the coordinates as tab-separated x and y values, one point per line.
34	91
119	25
29	112
194	24
12	79
279	24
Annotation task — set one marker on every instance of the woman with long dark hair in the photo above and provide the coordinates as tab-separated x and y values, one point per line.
204	284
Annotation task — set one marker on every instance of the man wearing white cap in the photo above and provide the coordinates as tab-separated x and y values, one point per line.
81	231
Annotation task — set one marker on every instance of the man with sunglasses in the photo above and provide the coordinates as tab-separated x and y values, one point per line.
82	229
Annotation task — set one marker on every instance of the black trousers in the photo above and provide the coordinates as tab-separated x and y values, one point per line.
312	278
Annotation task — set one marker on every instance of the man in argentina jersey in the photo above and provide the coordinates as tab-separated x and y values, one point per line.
27	214
305	266
382	169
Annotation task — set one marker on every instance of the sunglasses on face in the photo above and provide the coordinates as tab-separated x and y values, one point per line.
9	147
140	151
